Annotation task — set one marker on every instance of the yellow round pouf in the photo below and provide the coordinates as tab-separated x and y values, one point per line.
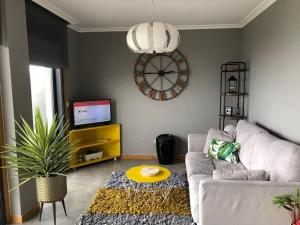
134	174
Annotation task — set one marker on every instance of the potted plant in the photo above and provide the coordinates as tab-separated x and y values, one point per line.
42	153
290	202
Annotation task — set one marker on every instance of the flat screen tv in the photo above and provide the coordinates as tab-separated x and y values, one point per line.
88	113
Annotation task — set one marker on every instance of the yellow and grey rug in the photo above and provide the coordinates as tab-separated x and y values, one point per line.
123	201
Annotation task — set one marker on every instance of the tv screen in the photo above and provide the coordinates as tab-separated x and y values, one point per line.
92	112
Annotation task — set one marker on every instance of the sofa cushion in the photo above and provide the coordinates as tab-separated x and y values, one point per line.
262	151
280	158
198	163
256	175
219	135
194	181
224	165
284	161
246	136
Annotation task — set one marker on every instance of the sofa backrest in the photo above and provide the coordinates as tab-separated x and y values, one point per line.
262	151
246	135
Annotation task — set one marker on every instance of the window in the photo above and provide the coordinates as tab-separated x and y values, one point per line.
46	91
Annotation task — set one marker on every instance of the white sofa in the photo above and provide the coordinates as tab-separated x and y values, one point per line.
232	202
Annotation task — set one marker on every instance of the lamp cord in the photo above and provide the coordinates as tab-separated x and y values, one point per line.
153	8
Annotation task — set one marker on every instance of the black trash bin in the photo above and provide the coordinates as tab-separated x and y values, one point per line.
165	147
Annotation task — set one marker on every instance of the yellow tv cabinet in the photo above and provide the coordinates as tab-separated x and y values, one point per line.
104	138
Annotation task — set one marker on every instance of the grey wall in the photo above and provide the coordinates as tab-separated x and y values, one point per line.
72	72
15	89
106	71
271	46
2	23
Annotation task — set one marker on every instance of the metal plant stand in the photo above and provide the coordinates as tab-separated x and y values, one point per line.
54	209
232	92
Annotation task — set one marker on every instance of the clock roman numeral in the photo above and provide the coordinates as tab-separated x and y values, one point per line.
162	95
141	62
151	93
181	83
181	60
183	72
142	85
173	93
139	74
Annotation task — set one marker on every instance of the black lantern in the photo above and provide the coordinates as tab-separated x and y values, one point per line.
232	85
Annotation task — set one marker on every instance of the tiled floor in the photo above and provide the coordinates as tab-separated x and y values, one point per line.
82	186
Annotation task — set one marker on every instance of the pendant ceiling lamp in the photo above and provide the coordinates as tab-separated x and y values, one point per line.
153	37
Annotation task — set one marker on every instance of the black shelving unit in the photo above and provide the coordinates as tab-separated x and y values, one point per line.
235	99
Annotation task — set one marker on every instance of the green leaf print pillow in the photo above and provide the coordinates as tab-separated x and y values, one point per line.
224	151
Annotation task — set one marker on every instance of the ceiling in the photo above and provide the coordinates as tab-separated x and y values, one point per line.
119	15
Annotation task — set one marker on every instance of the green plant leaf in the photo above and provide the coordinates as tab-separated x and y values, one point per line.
43	151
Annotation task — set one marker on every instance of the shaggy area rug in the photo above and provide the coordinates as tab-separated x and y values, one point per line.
123	201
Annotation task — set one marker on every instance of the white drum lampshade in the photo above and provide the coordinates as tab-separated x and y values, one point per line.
153	37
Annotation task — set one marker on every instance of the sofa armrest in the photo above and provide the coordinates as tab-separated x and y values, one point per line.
242	202
196	142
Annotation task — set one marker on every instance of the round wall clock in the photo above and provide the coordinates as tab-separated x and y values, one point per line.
161	76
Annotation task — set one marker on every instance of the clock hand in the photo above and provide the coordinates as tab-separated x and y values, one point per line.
150	73
168	72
